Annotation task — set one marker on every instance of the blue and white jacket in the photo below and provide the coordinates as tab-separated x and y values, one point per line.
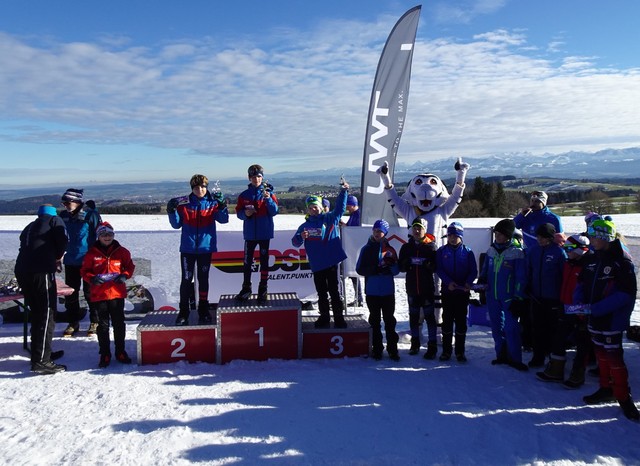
323	246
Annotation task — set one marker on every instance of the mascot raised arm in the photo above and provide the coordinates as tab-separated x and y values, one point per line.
427	197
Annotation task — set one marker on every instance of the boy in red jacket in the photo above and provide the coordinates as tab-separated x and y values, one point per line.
106	266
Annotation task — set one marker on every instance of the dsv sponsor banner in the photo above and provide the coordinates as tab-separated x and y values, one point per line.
289	269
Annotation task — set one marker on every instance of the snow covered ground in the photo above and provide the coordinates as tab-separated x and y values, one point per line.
351	411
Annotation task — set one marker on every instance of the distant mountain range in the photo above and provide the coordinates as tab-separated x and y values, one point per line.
602	165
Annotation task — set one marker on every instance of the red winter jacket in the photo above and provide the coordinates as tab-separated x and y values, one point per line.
109	262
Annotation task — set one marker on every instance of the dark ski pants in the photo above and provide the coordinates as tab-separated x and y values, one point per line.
455	307
74	280
545	320
326	282
188	263
39	291
249	248
383	307
111	310
424	303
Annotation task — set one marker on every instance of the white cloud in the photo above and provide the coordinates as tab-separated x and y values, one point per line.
302	101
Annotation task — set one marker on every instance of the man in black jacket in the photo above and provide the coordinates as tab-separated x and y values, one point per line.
42	245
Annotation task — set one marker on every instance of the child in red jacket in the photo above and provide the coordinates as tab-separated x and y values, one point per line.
106	266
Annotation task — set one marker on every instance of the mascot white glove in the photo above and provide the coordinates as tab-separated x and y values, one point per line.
461	169
383	171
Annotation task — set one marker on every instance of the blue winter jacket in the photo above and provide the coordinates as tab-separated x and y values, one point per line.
533	220
455	264
323	246
258	226
608	283
378	263
504	271
198	220
82	234
545	267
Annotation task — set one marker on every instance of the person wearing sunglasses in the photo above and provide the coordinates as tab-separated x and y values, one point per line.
535	214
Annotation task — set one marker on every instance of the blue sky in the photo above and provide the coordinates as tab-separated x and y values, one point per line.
127	90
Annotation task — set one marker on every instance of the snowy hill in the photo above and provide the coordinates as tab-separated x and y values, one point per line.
301	412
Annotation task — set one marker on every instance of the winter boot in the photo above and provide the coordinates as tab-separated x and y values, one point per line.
602	395
123	357
554	372
204	316
393	354
93	328
415	346
629	409
262	292
536	361
71	329
183	315
447	348
105	360
46	368
576	377
520	366
338	321
245	292
460	346
432	350
501	358
338	317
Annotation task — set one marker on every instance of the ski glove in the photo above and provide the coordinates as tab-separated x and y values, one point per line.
222	202
120	278
97	280
172	205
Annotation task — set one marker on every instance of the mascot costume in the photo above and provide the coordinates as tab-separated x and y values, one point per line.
426	197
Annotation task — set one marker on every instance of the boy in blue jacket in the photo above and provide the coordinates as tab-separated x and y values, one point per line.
545	264
320	234
457	269
256	207
81	229
197	215
378	263
505	275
